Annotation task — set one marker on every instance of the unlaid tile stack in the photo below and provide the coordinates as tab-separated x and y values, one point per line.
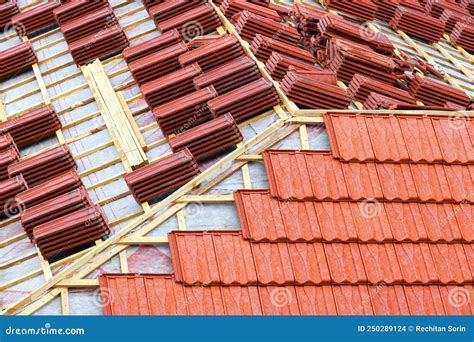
16	59
36	18
7	10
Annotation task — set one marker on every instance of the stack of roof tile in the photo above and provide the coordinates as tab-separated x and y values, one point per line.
195	22
364	10
378	101
89	24
469	5
79	228
463	35
432	92
263	46
417	24
54	208
103	43
16	59
170	86
231	7
32	126
169	9
249	24
10	188
307	18
209	138
451	18
6	142
7	157
346	59
57	186
213	54
278	64
435	8
201	40
313	91
151	46
78	8
7	10
185	112
162	176
36	18
246	101
229	76
361	86
44	166
157	64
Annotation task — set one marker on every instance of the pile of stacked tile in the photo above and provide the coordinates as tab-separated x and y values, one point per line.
34	19
278	64
469	5
91	30
33	126
43	166
79	229
209	138
361	86
16	59
148	47
169	9
191	23
306	19
362	10
463	35
432	92
231	7
10	188
451	18
263	46
435	8
162	176
377	101
7	10
7	158
314	89
417	24
386	8
54	208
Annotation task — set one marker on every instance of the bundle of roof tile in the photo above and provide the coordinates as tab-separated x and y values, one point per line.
231	7
7	157
33	126
417	24
213	54
7	10
36	18
278	64
306	18
79	228
185	112
361	86
451	18
262	47
157	64
229	76
44	166
249	24
195	22
432	92
208	138
148	47
378	101
169	9
469	5
54	208
346	59
199	41
363	10
246	101
463	35
77	8
10	188
103	43
311	90
435	8
170	86
89	24
6	142
162	176
16	59
52	188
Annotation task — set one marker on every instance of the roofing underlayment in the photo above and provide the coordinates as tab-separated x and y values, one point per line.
237	157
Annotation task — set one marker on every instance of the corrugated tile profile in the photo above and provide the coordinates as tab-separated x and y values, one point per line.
362	10
7	11
16	59
77	8
10	188
36	18
7	157
151	294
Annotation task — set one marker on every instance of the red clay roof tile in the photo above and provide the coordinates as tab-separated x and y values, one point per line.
424	300
388	300
353	300
345	263
417	263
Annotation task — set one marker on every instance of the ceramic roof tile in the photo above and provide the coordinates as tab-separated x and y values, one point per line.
241	300
417	263
336	221
273	263
362	180
464	215
397	182
452	263
457	300
353	300
165	295
316	300
424	300
381	264
309	264
345	263
431	182
388	300
454	139
461	179
406	221
279	300
439	222
204	300
371	221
